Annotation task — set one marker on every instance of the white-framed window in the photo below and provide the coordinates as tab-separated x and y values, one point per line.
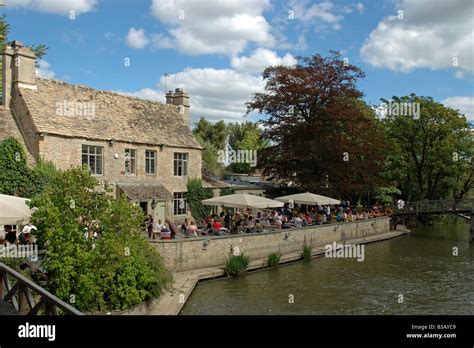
179	203
180	164
150	162
93	157
130	161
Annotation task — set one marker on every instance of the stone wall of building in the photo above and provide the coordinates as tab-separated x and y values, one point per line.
190	254
66	153
9	128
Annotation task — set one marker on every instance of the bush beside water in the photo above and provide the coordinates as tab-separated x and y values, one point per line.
236	265
274	259
306	255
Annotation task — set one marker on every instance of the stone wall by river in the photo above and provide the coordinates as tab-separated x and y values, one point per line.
195	253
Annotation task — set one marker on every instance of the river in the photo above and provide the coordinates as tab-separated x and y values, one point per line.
411	274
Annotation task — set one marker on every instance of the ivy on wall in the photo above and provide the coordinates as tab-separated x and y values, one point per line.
196	193
16	177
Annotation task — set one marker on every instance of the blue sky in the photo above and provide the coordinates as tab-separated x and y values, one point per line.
217	50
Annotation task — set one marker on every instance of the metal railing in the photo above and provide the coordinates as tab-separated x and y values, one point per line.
29	298
438	206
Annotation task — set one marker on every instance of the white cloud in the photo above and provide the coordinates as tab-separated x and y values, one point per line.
436	35
145	93
225	27
44	70
214	94
162	41
321	15
464	104
61	7
260	59
136	38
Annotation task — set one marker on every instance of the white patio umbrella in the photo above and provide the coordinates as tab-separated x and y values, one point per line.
14	210
243	200
309	199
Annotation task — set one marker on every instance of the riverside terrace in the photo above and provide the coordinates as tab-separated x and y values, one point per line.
187	254
262	221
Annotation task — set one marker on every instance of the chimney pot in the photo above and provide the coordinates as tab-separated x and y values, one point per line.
17	43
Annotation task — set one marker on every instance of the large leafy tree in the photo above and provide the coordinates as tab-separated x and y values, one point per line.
214	133
431	154
322	136
214	136
114	270
245	136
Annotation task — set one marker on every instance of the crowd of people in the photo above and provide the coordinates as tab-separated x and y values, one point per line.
13	235
247	221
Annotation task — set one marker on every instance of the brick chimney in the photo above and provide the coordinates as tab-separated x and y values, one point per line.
18	69
181	99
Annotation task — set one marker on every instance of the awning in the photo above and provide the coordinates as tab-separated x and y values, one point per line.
14	210
308	198
242	200
144	191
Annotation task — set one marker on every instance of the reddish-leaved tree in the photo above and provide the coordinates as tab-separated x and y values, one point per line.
323	137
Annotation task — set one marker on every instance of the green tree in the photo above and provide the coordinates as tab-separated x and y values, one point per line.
195	194
114	270
214	133
245	136
431	153
210	155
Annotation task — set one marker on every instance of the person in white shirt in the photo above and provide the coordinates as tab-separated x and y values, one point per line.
401	203
24	235
28	228
157	227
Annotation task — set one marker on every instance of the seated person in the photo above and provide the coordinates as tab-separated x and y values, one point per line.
173	228
278	223
165	233
320	219
284	223
157	227
309	219
258	225
297	221
192	229
10	235
249	225
217	228
339	216
184	227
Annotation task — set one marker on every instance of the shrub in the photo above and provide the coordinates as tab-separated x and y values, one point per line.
274	259
306	255
115	270
227	191
236	265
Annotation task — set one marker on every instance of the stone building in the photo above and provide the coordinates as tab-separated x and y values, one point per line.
143	149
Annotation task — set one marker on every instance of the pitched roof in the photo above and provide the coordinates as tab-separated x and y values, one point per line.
117	117
142	191
210	182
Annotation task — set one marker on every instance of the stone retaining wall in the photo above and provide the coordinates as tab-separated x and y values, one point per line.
196	253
